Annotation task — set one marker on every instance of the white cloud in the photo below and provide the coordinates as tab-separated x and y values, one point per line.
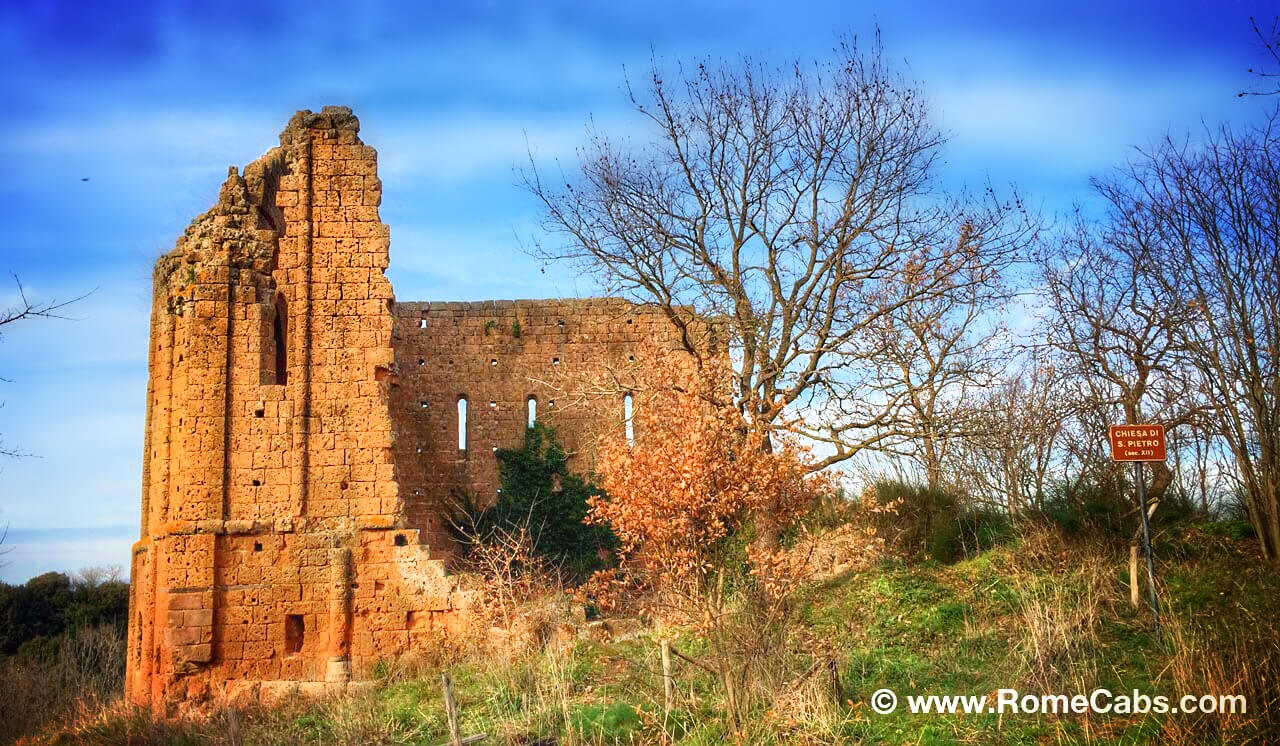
1066	123
483	144
158	136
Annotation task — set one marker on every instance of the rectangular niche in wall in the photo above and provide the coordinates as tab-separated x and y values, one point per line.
294	631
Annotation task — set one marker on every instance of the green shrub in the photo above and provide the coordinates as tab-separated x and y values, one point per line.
936	523
1089	505
1107	506
34	615
1231	529
540	492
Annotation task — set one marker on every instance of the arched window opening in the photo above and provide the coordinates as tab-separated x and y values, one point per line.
533	411
462	423
626	417
279	337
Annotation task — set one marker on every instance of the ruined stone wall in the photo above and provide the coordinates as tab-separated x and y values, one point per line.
301	447
273	548
498	356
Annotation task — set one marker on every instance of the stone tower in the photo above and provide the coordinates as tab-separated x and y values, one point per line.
305	433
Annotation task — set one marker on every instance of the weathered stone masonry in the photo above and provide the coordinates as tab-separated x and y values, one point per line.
302	438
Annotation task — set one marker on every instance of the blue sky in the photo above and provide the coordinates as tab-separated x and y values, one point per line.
151	101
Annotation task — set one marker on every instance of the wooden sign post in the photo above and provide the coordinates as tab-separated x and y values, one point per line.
1139	444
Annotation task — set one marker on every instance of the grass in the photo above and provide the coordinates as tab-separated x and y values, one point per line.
1041	614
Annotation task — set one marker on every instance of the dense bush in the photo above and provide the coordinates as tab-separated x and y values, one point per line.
1087	504
936	523
830	511
34	615
1108	506
71	677
62	648
539	491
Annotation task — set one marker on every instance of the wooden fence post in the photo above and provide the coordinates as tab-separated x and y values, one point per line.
451	713
451	710
668	681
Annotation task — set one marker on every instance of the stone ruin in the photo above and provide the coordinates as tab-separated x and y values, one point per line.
306	433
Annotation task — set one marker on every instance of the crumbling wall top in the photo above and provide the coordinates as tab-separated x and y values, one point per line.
335	119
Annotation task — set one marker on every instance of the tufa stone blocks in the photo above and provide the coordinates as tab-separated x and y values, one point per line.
303	429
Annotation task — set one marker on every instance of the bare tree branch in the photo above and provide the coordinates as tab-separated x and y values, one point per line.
1210	216
798	205
25	308
1271	45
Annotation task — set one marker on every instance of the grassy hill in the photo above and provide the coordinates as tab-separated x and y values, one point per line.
1043	613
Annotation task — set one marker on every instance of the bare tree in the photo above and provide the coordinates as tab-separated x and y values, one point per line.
1008	453
92	577
935	353
1109	319
1112	322
25	308
799	206
1211	213
1199	470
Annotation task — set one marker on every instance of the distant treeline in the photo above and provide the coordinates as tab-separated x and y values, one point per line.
33	616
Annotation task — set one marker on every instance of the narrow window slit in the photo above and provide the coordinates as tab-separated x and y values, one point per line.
462	423
279	334
626	415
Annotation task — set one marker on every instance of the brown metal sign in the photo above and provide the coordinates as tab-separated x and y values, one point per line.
1137	442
